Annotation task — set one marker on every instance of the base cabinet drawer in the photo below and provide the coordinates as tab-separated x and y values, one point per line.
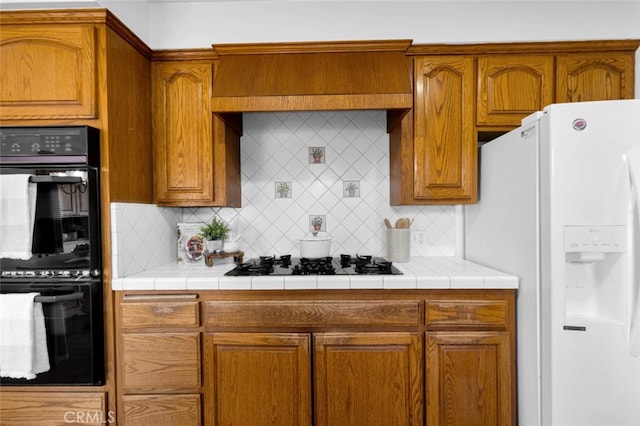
165	410
53	408
156	363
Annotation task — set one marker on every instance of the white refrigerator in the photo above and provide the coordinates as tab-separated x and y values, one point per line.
559	208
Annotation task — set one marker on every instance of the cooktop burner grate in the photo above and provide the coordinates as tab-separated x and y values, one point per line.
287	265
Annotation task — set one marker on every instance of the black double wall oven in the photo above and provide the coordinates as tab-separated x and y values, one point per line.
62	166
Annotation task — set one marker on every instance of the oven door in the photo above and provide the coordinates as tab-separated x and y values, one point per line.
74	328
66	230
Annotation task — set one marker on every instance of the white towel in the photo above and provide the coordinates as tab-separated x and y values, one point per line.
17	216
23	338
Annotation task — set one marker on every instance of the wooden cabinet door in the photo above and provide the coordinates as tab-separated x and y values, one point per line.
368	379
47	71
197	154
445	146
510	87
182	130
469	380
258	379
594	76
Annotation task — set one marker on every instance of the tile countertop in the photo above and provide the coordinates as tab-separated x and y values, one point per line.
419	273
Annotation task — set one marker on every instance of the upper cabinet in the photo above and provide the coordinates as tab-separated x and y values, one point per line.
594	76
513	86
197	155
47	71
444	142
463	93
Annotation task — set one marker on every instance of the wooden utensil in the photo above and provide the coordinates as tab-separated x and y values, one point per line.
387	223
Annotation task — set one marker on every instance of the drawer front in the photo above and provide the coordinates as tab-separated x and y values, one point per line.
160	314
155	363
154	410
467	314
53	408
310	314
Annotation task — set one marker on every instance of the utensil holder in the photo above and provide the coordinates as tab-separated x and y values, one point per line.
398	245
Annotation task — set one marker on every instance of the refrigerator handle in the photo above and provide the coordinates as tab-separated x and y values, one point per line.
633	161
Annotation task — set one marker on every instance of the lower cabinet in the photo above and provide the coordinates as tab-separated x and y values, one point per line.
160	362
258	379
348	378
468	379
368	378
318	358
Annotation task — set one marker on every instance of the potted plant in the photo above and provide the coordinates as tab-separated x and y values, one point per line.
214	233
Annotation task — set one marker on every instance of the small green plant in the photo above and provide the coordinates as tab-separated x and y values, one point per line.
216	230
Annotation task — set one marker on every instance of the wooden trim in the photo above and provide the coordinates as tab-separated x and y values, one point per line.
525	47
313	47
310	102
184	55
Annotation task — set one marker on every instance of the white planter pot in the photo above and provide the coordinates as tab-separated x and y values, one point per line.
315	246
213	245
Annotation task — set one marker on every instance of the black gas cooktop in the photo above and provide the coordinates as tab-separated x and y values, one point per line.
287	265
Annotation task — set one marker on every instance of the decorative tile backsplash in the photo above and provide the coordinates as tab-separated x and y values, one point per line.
284	187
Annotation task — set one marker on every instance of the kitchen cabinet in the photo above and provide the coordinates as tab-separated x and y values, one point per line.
466	93
342	377
470	362
433	153
511	87
160	358
316	357
368	378
595	76
68	88
259	378
357	378
197	154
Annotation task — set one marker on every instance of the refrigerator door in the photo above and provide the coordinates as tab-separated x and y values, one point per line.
589	376
633	160
501	231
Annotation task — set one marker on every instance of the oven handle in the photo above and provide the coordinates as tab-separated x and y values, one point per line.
63	298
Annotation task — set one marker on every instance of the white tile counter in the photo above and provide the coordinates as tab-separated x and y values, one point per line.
419	273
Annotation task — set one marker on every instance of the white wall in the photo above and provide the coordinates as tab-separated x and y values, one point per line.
186	24
199	24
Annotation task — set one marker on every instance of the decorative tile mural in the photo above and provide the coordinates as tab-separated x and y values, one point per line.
283	190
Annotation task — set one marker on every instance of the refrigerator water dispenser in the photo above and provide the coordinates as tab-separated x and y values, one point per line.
595	273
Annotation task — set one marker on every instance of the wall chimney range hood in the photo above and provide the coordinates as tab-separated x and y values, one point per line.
313	76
